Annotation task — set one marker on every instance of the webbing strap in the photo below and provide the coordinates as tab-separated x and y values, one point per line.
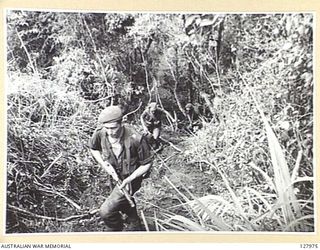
126	168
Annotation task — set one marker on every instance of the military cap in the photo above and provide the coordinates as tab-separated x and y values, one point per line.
110	114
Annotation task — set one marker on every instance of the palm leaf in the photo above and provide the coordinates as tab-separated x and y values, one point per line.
235	199
266	203
185	223
215	203
282	177
219	222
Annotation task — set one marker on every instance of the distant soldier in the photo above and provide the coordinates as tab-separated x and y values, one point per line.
193	113
151	120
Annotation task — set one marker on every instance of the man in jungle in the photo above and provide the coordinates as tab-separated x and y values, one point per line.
123	154
151	123
193	113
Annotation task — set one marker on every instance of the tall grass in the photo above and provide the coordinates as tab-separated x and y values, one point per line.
255	183
49	168
290	208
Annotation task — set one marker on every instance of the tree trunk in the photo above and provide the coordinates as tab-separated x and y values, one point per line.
189	83
221	27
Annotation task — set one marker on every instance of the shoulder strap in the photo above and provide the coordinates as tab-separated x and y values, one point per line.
127	149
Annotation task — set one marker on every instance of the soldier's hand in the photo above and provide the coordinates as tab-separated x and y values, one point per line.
125	183
111	171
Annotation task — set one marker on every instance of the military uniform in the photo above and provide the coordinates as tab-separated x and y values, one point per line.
152	120
134	153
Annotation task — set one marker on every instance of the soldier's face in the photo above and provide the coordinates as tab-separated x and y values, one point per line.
113	129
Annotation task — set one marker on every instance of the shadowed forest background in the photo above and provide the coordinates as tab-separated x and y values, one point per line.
250	166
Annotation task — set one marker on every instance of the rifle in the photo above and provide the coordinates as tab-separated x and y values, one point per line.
124	191
126	194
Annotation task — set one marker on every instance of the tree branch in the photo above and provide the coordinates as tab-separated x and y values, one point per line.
52	163
144	62
175	88
48	190
109	85
134	111
70	218
35	71
171	144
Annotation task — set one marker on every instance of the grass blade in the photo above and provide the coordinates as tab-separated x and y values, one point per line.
219	222
185	222
264	174
282	176
297	221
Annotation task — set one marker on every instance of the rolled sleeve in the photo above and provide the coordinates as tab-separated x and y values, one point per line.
94	142
145	155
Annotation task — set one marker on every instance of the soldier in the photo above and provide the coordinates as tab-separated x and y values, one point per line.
151	123
193	113
124	154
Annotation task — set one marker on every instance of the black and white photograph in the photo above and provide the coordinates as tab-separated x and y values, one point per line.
121	122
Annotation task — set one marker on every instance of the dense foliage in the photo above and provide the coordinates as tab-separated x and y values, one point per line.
253	156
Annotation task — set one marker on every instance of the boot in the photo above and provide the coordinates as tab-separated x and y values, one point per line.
157	146
114	222
133	224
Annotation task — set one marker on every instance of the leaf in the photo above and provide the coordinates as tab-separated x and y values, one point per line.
294	223
215	203
302	179
259	196
266	177
206	22
185	222
219	222
209	21
282	179
295	171
190	20
236	200
287	46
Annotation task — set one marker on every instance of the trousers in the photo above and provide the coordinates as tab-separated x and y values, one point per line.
110	212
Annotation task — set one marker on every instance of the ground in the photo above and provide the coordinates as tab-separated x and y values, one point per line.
171	182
